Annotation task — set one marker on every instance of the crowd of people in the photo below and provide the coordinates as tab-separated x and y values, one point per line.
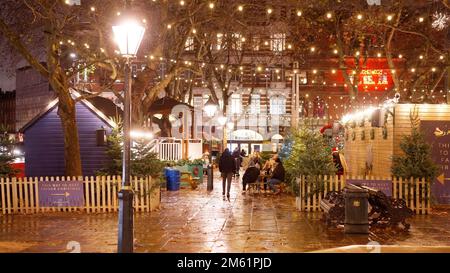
230	164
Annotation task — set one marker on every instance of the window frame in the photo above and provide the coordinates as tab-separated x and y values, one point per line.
278	105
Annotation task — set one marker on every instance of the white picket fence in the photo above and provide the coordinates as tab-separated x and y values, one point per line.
21	195
416	192
168	149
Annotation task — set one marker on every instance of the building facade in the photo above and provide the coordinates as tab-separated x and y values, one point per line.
8	110
33	94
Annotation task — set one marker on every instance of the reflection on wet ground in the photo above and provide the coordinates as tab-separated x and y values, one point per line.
201	221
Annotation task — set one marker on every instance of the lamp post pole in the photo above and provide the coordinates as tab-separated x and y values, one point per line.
125	243
210	110
128	36
210	170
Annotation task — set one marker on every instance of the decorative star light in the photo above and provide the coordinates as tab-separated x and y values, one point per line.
440	20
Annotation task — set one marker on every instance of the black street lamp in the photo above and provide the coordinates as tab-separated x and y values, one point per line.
128	36
210	108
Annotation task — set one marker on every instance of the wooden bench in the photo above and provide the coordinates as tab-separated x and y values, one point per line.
333	208
386	210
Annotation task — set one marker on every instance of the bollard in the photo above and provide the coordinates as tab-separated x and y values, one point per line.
209	171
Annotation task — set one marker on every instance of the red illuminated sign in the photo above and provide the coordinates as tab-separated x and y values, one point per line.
375	74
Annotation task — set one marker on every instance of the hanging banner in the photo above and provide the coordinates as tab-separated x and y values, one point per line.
61	193
437	134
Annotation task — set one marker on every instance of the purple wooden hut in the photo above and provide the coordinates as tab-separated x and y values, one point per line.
44	141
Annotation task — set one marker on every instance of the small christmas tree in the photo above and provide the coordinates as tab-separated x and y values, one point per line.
6	153
144	162
416	161
309	155
114	151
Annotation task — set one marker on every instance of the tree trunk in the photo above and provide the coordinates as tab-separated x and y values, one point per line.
353	92
389	53
67	114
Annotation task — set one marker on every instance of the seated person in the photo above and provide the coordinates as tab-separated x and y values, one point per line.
257	159
250	176
268	169
277	175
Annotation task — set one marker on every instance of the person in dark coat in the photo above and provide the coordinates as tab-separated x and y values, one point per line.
250	176
237	159
277	174
226	167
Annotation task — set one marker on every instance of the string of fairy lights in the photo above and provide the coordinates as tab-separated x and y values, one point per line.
439	22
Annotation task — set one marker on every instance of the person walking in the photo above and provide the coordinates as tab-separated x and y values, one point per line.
237	159
226	167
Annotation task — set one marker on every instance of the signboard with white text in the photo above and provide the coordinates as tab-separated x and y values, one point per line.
61	193
437	134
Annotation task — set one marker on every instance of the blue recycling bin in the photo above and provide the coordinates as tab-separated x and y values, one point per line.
172	179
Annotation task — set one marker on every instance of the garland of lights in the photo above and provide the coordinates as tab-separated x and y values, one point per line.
440	22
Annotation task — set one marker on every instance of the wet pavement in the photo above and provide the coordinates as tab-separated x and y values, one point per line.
201	221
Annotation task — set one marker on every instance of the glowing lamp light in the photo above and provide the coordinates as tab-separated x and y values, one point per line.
210	107
345	119
141	135
369	111
128	36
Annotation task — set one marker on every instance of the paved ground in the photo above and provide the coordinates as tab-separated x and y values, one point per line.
198	221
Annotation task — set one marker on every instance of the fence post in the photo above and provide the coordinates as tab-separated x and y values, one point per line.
411	193
8	195
423	203
400	189
26	191
394	187
417	194
428	197
103	193
32	194
15	200
2	190
148	193
108	193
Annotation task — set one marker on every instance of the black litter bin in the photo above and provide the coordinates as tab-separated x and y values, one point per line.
356	209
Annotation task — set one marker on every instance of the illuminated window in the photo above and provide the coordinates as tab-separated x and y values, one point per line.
256	41
236	104
278	42
219	41
277	105
189	45
255	104
302	77
237	41
198	102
